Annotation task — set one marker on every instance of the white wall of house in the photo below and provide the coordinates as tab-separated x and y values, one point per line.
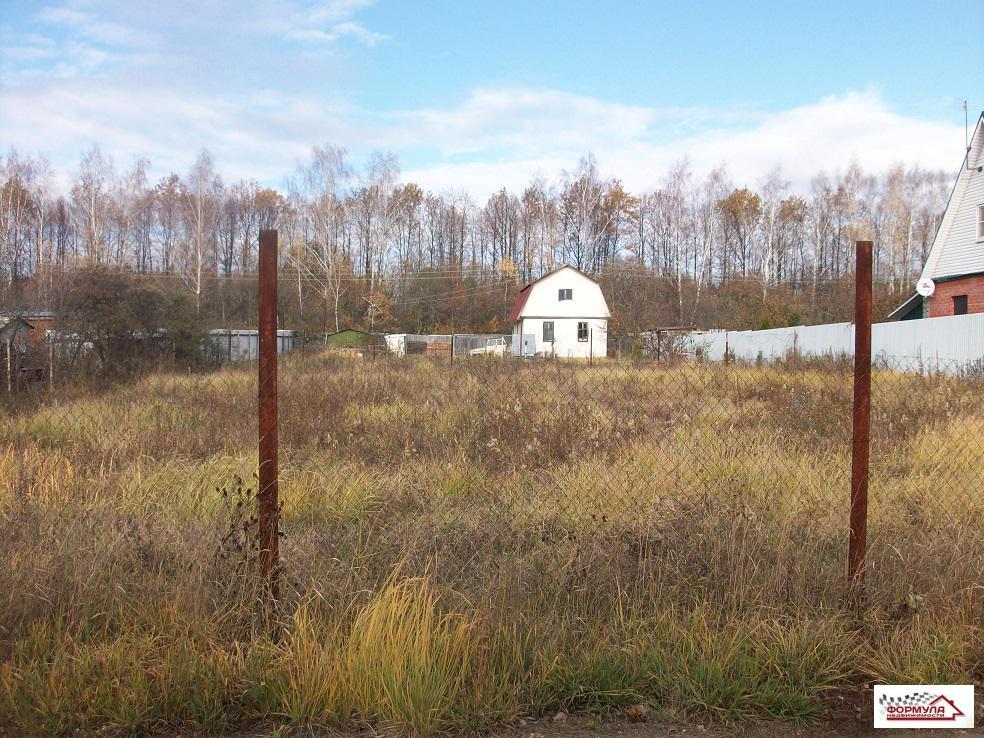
568	341
586	309
959	247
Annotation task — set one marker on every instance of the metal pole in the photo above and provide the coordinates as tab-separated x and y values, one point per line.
268	492
861	436
452	349
590	346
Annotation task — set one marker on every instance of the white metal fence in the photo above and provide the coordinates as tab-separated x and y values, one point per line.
484	344
243	345
933	343
402	344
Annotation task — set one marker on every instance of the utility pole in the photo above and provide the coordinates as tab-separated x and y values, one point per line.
861	427
269	512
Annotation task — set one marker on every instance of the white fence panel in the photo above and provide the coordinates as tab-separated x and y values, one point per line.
244	344
936	343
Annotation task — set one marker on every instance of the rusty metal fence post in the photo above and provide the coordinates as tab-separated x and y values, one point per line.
269	539
861	427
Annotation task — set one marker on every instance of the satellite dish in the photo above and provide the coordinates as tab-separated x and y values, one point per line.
925	287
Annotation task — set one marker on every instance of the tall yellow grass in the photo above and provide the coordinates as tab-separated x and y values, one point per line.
465	546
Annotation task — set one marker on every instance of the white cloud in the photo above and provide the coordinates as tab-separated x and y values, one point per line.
89	26
63	15
494	138
330	11
260	139
524	120
348	29
639	145
360	33
26	48
321	22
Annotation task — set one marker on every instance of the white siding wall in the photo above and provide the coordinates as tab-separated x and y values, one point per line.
587	302
940	343
959	251
587	305
565	343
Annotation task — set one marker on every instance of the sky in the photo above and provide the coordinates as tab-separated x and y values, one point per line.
473	96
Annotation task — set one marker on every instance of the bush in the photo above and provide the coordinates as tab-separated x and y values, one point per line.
120	323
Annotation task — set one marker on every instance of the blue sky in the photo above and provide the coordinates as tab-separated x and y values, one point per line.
475	95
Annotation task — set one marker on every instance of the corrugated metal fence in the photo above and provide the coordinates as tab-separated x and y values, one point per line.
244	344
932	343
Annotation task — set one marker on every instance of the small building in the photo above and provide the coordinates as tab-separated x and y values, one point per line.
350	338
16	332
40	325
230	345
396	343
563	314
953	276
22	360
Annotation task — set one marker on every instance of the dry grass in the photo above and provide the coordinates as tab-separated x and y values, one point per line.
466	545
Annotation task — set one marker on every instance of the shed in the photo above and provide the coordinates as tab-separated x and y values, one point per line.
15	330
349	338
15	335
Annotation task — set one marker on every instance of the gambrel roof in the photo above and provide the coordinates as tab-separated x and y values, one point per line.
524	294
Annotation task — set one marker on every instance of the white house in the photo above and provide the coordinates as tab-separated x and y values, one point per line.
952	280
563	313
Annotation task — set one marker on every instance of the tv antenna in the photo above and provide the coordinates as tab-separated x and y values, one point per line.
966	138
967	164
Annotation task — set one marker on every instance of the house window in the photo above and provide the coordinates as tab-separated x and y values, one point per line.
582	332
548	331
980	222
567	294
960	304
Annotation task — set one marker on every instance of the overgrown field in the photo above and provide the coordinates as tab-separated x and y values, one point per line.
464	545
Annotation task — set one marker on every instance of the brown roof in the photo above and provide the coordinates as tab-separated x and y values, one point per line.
520	302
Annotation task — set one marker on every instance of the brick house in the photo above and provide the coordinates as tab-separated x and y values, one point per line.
954	269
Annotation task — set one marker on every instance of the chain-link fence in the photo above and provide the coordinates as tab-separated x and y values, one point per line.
726	481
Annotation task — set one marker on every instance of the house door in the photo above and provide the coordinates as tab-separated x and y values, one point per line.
529	344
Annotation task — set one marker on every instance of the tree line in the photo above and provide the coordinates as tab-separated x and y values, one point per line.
361	247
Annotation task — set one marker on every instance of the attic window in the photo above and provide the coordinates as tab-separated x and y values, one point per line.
980	222
566	294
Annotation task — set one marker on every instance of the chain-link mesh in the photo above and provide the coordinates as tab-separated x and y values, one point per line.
716	480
